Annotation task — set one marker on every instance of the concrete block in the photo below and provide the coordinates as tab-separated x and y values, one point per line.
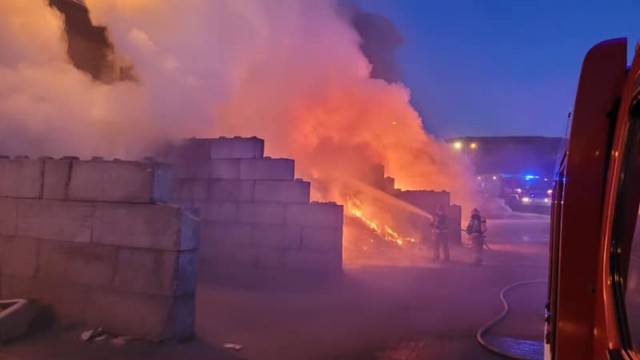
315	214
15	318
285	191
322	238
120	181
156	272
8	216
373	175
425	200
266	169
271	258
313	261
18	256
56	179
210	169
236	148
69	301
277	235
145	316
163	227
222	211
85	264
192	189
231	190
223	169
197	149
12	287
163	182
188	158
234	254
55	220
232	233
390	185
21	178
261	213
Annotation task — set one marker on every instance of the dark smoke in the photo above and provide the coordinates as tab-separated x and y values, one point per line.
380	40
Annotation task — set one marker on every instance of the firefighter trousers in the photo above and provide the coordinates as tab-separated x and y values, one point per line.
477	240
440	241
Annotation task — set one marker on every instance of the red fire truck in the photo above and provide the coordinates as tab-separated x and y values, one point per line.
593	309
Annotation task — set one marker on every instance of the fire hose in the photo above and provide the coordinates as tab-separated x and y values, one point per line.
505	310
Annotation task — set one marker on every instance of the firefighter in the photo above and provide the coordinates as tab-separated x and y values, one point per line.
476	229
440	236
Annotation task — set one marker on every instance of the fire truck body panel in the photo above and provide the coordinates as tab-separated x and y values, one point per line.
594	215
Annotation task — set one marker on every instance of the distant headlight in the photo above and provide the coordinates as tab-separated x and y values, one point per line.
526	200
546	200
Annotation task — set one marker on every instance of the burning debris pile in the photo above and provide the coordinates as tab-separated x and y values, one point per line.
381	218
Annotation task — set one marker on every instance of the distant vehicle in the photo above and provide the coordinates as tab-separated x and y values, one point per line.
520	192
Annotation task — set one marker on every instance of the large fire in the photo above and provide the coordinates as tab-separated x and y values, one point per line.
289	71
382	231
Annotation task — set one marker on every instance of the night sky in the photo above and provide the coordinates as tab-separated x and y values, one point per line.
500	67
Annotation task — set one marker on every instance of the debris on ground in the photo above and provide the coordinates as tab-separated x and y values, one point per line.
232	346
91	334
99	334
121	340
16	317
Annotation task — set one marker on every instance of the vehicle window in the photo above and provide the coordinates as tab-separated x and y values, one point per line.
626	240
632	295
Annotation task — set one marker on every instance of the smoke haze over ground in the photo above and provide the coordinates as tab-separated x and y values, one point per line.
289	71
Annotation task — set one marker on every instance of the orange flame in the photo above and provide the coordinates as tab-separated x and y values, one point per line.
382	231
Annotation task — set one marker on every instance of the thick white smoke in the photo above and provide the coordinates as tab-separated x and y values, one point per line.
290	71
48	107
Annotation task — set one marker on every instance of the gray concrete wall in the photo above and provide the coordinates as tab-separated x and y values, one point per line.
92	240
254	213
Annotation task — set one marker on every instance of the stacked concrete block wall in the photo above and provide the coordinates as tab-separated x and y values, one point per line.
253	212
92	240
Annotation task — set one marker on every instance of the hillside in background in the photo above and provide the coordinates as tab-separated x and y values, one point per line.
534	155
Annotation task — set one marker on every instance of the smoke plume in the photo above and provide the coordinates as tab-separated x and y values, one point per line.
379	40
289	71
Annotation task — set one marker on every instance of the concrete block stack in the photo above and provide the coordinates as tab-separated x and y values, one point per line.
426	200
93	240
253	212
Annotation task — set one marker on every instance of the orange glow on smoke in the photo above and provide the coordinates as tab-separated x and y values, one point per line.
292	73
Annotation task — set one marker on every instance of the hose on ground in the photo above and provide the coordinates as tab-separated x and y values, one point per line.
497	319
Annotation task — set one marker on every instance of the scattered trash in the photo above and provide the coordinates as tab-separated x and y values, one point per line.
121	340
91	334
100	335
231	346
86	335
